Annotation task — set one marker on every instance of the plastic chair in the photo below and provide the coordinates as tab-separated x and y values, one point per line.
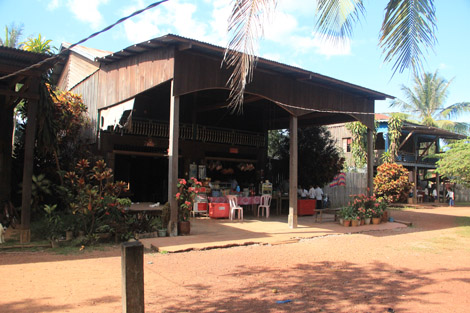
232	200
265	203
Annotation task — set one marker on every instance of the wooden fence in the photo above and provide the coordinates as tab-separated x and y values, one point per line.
339	196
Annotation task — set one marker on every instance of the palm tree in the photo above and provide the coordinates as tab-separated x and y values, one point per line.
12	36
408	29
426	101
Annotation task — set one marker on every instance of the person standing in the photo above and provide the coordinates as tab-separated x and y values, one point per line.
434	195
319	197
426	194
450	195
311	193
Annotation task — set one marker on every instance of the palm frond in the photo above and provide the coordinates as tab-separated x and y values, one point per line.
246	25
336	18
456	127
408	28
455	109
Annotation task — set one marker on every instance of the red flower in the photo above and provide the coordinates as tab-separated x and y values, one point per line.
107	213
178	195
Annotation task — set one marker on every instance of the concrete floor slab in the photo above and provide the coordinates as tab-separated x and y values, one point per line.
209	233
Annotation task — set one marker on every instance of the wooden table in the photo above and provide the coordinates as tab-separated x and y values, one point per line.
328	211
279	200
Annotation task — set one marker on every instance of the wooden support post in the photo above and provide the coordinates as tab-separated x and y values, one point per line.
25	232
415	189
370	162
173	162
293	175
132	271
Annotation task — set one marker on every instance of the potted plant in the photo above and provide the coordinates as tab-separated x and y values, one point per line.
346	213
355	218
187	190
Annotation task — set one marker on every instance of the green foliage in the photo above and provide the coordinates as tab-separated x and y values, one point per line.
455	162
318	158
54	222
359	143
426	100
392	182
395	125
93	197
12	36
38	45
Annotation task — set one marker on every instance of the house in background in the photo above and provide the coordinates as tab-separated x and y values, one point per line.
159	110
416	144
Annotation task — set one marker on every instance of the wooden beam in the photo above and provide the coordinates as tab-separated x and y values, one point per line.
370	162
406	139
293	172
425	150
25	95
173	161
25	234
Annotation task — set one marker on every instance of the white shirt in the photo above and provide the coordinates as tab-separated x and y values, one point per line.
318	193
311	193
434	193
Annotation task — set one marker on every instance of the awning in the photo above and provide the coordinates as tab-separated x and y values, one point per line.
117	116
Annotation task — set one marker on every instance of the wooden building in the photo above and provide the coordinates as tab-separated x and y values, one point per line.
160	106
416	146
20	78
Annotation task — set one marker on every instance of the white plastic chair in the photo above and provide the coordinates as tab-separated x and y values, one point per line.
232	200
265	203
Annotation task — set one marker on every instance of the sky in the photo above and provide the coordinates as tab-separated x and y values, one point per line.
289	36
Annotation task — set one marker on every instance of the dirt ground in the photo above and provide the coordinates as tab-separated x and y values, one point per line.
424	268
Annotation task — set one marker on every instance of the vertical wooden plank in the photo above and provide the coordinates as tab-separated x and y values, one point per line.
370	162
173	161
293	175
25	233
132	271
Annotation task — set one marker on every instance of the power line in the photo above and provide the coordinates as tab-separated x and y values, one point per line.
36	65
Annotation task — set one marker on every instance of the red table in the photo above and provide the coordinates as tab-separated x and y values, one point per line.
241	200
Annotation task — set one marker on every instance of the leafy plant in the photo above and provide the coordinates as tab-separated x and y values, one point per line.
187	190
359	143
54	222
93	197
455	163
392	182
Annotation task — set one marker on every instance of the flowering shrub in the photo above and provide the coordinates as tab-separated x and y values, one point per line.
392	182
363	206
187	190
95	200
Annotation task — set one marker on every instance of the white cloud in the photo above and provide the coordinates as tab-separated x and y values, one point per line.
87	11
53	4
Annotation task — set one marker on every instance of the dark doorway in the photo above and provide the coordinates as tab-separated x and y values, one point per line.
147	177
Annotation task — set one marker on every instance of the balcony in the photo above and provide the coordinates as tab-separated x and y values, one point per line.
406	159
152	128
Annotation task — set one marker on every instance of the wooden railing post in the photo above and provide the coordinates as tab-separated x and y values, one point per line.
132	271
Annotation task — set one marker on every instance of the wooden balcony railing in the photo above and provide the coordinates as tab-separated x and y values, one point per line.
405	157
195	132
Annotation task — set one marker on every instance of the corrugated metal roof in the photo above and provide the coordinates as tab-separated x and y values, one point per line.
218	51
90	53
22	56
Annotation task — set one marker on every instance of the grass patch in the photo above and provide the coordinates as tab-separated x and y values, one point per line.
463	223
